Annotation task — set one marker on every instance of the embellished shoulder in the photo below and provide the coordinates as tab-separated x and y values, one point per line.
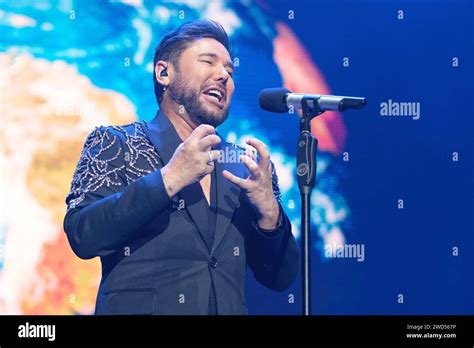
112	158
140	154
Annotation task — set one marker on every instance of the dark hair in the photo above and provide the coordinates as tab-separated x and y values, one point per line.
175	42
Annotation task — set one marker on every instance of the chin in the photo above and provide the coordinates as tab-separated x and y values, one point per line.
215	118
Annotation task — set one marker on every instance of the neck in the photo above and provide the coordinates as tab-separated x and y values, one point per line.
181	121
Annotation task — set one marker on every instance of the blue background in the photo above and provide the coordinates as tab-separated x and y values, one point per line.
408	251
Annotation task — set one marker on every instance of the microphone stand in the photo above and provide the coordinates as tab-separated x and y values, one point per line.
306	174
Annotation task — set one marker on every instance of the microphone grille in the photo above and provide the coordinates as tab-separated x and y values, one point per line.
273	99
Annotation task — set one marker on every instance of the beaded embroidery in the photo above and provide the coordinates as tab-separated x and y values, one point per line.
97	166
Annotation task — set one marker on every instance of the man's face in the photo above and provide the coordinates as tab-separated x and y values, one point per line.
203	82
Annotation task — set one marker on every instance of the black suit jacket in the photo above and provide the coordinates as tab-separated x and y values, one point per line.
156	254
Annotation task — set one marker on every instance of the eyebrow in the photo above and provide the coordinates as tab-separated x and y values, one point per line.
213	55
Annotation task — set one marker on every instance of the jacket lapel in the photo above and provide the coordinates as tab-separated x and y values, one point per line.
165	139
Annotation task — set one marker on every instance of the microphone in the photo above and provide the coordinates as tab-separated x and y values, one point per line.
281	100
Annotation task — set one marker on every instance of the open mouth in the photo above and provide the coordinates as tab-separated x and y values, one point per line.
215	95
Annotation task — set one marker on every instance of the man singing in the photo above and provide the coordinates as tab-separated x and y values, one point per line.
173	220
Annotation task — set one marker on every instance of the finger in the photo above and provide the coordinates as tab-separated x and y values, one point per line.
253	167
201	131
210	163
209	169
263	152
215	154
250	151
209	141
234	179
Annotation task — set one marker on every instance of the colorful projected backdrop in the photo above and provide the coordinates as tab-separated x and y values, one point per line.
69	66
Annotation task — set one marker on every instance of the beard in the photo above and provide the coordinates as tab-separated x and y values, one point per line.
187	96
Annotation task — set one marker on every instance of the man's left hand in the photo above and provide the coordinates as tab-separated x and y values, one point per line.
258	186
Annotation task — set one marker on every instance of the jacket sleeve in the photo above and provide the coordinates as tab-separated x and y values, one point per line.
104	208
273	256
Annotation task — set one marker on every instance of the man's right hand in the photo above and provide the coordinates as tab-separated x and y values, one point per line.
190	161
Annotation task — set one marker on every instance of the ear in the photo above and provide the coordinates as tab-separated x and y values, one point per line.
160	68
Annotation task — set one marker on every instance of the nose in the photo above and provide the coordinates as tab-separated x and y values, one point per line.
222	75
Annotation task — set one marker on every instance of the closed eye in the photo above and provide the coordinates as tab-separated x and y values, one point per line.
207	61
